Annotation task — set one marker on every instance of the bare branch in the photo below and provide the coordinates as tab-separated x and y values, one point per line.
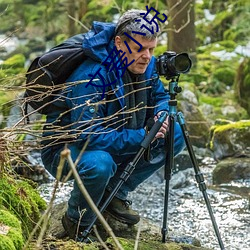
66	154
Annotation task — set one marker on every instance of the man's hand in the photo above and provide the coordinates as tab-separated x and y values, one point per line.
164	128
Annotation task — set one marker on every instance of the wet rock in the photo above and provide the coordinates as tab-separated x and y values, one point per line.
150	234
181	179
231	169
231	139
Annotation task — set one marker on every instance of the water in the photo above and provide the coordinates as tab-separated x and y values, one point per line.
187	212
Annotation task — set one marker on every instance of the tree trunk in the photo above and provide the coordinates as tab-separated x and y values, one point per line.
72	13
181	34
83	7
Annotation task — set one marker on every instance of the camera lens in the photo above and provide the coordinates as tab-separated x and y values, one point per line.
182	63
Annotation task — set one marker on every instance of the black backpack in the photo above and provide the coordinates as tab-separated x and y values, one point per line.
48	73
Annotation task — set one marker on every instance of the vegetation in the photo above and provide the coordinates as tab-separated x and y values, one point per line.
214	33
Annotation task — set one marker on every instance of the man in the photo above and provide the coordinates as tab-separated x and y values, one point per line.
111	128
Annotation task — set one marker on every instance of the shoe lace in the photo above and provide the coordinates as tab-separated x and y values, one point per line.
127	203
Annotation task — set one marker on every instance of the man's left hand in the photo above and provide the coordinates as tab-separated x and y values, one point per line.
164	128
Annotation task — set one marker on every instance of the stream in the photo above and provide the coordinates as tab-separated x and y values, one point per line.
187	212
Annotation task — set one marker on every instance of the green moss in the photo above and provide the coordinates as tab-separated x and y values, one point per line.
14	234
128	244
16	237
224	75
22	200
13	71
16	61
235	125
239	128
6	243
9	219
228	45
214	101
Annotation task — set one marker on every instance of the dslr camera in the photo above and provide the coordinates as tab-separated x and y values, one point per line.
171	65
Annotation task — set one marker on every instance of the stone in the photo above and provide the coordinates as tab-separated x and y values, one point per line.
230	140
231	169
197	125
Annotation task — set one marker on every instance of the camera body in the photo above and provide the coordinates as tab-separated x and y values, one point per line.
171	65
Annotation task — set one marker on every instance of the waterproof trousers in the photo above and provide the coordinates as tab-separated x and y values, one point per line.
100	170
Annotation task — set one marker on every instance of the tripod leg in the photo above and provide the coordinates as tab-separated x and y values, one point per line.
129	168
168	173
199	176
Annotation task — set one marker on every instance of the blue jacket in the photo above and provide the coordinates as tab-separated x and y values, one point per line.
89	116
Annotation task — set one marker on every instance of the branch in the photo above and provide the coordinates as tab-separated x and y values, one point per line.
67	155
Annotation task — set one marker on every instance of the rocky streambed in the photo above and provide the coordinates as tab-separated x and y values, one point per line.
188	215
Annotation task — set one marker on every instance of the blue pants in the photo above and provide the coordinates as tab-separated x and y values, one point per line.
99	171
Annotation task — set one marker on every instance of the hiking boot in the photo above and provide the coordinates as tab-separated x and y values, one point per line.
75	231
121	211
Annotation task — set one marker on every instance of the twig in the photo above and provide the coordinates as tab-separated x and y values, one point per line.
99	238
66	154
77	21
137	236
45	217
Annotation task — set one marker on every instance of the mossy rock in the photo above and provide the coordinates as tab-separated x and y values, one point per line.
128	244
10	231
232	139
22	200
219	107
231	169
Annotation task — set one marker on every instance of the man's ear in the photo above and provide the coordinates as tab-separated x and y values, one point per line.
118	42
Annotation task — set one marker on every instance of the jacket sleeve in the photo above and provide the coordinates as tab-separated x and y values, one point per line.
88	118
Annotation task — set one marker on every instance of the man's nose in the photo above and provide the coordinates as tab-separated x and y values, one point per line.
146	54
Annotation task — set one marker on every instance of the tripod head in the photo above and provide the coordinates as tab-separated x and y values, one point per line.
174	89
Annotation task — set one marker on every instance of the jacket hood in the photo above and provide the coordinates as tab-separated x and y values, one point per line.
98	42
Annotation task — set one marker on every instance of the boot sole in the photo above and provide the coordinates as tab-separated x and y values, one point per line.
121	219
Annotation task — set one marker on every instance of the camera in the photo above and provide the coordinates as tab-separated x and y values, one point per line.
171	65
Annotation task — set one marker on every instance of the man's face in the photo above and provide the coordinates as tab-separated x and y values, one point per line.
141	58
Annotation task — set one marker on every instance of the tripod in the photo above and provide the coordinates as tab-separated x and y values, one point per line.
169	163
173	90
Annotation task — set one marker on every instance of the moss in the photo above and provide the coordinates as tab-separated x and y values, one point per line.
236	125
6	243
228	45
212	100
16	237
221	132
22	200
13	239
219	104
10	220
225	75
128	244
17	61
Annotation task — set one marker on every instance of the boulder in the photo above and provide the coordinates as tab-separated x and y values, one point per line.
231	169
231	139
197	125
150	235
